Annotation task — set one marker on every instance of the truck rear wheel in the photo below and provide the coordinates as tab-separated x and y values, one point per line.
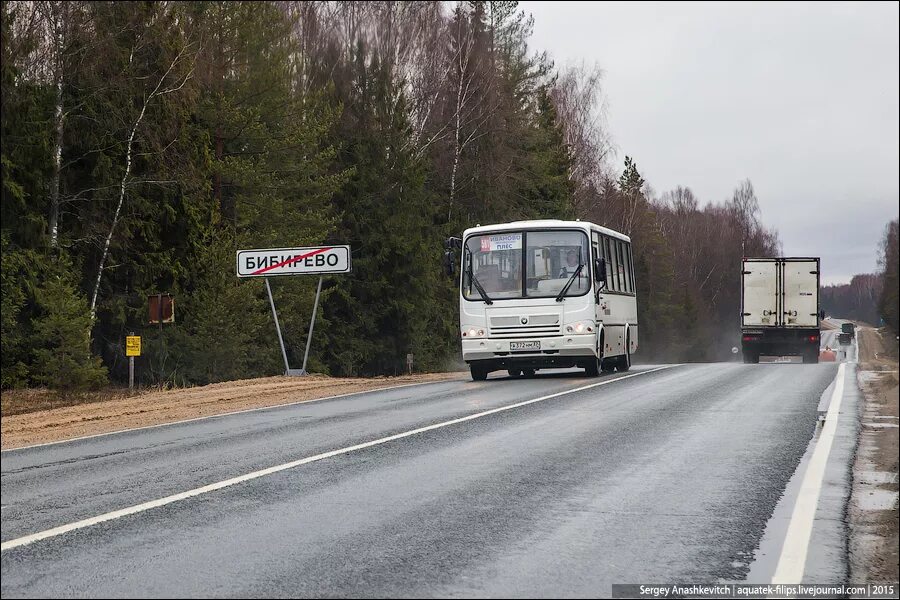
528	372
751	357
478	373
811	357
514	372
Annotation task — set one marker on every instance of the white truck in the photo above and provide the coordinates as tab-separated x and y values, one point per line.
780	312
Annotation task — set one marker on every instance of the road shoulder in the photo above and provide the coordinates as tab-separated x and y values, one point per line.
872	512
171	406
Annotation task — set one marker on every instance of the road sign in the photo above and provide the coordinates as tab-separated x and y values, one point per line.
293	261
315	260
133	345
161	308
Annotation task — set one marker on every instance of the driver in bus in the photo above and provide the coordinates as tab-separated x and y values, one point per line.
571	265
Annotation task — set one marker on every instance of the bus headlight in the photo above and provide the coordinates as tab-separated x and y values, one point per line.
581	327
473	332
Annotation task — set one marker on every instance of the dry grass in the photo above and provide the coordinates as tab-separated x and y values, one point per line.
17	402
39	416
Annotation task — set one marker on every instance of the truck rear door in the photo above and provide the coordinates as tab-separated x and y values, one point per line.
760	297
800	300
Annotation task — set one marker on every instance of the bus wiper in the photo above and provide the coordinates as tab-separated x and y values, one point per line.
562	292
476	283
484	296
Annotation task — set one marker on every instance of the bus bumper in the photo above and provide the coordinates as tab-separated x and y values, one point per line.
556	352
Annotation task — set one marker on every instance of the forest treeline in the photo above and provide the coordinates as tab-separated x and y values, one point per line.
857	300
870	297
889	261
143	143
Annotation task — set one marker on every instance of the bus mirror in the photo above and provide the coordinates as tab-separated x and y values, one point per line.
599	269
448	263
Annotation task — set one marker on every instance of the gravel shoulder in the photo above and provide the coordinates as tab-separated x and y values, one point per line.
873	511
110	413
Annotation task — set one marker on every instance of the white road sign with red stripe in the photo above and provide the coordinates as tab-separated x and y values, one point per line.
316	260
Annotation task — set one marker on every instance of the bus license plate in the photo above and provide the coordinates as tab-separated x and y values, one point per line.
514	346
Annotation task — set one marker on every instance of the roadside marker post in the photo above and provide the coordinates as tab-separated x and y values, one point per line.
271	262
161	310
132	349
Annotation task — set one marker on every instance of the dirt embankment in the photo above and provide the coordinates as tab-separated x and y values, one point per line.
873	510
22	425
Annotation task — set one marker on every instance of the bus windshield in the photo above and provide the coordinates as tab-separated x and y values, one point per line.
551	258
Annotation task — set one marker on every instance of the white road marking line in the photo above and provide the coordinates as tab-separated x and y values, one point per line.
227	414
137	508
792	561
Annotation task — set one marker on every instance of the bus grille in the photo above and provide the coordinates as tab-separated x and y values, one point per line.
537	326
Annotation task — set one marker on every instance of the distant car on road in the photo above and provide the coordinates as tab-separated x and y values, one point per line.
844	339
848	328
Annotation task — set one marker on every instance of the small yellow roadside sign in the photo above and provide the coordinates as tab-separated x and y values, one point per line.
133	345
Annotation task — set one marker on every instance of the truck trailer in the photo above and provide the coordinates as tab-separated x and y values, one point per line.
780	313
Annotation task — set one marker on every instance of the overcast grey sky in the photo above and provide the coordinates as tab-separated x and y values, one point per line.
800	98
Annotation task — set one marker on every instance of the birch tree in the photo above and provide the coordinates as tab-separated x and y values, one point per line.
581	105
54	25
179	71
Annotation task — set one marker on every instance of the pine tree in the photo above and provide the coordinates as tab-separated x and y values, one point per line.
386	308
62	351
548	188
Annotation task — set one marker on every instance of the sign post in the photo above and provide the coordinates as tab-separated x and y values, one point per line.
277	326
312	323
132	349
320	260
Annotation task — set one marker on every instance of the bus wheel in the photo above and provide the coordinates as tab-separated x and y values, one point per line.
478	373
592	367
514	372
623	363
528	372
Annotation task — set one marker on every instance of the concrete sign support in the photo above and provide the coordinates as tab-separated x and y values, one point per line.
294	261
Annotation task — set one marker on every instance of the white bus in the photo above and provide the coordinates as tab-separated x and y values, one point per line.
545	294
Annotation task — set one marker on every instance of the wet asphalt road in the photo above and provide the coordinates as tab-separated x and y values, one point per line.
669	475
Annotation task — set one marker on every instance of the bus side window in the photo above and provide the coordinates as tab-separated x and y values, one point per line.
604	249
617	248
630	267
624	271
612	265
